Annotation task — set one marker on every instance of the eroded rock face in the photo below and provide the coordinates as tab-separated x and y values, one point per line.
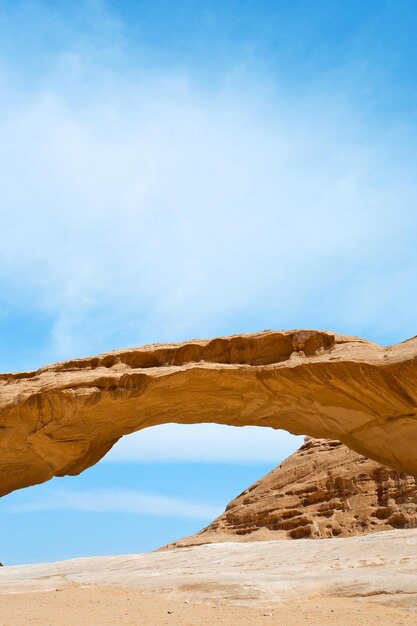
322	490
63	418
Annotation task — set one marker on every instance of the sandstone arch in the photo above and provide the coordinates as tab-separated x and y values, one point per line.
63	418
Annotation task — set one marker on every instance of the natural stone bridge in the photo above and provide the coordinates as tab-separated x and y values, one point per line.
63	418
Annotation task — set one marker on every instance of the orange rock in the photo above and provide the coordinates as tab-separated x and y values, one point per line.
322	490
63	418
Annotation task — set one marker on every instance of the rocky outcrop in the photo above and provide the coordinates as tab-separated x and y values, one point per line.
63	418
375	568
322	490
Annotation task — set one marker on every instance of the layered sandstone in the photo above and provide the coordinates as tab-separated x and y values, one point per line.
322	490
381	567
63	418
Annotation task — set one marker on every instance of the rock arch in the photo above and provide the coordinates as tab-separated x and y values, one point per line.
63	418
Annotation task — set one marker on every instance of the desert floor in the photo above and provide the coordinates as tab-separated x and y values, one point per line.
364	580
106	606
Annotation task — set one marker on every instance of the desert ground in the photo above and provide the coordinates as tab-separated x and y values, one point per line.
90	606
371	579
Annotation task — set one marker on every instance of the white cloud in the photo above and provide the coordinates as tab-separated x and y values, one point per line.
205	443
144	207
118	501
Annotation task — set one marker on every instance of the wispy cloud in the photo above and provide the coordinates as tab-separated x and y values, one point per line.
143	206
205	443
118	501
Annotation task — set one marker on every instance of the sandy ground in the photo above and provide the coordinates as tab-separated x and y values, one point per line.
108	606
364	580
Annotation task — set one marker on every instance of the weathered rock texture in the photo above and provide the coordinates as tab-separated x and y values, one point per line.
322	490
380	567
63	418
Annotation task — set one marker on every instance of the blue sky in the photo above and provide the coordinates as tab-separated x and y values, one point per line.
180	170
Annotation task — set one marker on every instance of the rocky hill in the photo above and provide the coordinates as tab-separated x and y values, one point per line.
322	490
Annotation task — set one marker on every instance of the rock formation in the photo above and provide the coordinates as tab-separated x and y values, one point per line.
322	490
63	418
373	568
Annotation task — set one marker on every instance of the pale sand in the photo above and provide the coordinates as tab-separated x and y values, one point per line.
364	580
101	606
